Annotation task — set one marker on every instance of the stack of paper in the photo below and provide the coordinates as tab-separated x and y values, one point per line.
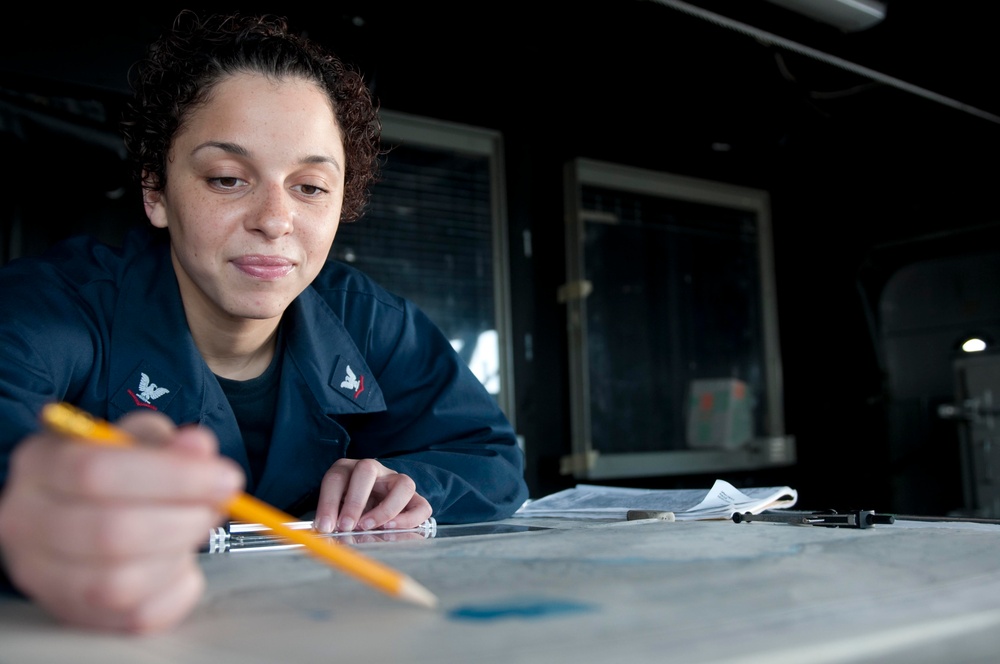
588	501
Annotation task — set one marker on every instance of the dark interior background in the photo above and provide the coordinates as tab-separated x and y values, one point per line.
867	176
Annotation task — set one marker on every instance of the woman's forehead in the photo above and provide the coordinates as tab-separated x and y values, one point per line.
257	106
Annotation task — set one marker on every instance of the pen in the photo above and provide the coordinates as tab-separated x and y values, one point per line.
72	421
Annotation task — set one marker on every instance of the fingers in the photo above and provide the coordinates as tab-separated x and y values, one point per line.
363	494
107	536
400	506
122	532
180	468
154	429
148	427
143	595
345	492
114	565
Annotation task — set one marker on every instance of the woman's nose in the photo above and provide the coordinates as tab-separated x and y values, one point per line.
273	213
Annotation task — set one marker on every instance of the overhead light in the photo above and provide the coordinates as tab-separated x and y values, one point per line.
973	341
845	15
973	345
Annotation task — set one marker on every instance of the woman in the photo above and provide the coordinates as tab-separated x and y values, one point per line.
228	341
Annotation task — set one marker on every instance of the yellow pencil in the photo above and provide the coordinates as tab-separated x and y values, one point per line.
74	422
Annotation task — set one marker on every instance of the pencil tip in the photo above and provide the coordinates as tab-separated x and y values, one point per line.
416	593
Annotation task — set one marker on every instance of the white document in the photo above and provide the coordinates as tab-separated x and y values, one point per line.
588	501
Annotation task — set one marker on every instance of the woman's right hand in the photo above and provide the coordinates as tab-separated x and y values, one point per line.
107	537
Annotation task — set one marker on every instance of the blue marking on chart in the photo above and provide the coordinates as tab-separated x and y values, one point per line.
522	609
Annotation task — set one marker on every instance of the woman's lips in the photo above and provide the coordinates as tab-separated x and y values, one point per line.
264	267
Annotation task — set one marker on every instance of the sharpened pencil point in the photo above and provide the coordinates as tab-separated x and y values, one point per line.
414	592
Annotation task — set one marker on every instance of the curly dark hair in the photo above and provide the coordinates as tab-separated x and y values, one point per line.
184	65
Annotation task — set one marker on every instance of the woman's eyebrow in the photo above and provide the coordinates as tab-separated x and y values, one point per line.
232	148
240	151
321	159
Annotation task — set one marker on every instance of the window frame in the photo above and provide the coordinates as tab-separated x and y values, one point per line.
770	447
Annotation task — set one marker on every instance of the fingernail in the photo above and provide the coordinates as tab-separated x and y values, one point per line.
324	525
368	524
346	525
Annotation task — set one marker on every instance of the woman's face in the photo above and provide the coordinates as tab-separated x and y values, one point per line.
255	182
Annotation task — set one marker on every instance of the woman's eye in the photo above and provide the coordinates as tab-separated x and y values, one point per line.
226	182
311	189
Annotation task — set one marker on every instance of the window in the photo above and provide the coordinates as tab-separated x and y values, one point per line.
436	234
670	288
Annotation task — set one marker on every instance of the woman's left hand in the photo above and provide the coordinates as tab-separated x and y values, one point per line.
362	494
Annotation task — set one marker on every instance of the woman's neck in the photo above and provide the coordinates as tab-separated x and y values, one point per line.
237	351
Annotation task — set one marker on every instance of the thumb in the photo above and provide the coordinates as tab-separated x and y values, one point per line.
156	429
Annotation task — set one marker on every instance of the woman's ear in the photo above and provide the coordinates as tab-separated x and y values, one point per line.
152	201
